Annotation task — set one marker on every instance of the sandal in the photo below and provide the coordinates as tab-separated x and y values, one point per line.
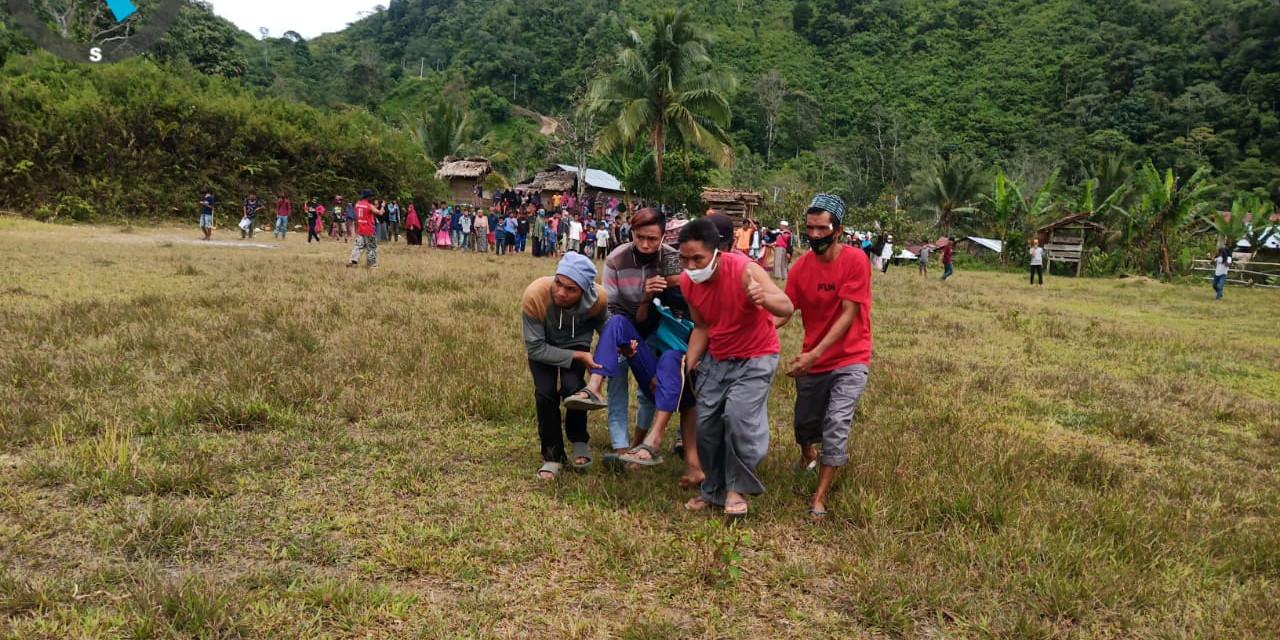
812	465
736	509
591	402
581	450
698	503
654	458
553	468
817	514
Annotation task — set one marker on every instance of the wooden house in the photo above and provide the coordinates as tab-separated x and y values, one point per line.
462	174
1064	240
735	203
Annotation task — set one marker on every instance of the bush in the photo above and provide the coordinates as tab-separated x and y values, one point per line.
79	138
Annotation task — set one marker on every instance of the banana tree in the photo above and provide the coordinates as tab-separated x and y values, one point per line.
1164	208
1002	206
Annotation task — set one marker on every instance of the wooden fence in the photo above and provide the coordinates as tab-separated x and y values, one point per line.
1237	272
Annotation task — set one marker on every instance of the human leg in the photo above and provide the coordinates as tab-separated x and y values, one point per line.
746	426
710	429
371	251
356	250
845	389
619	400
812	394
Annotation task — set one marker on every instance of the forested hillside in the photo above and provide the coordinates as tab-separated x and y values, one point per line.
866	92
855	97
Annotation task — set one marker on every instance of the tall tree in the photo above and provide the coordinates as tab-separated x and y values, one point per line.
775	95
667	91
948	186
442	128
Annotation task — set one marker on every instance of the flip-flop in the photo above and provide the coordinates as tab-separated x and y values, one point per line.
698	503
732	509
581	450
654	458
592	402
554	468
817	514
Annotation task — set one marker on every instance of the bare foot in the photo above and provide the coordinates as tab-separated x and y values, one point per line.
691	481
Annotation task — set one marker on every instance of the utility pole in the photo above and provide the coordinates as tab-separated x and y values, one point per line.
513	88
422	66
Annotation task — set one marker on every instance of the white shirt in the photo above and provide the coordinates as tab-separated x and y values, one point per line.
1220	266
887	252
602	237
1037	256
575	230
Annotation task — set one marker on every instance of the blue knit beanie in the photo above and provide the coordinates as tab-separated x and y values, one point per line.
578	268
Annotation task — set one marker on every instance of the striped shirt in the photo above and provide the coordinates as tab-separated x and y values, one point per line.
624	279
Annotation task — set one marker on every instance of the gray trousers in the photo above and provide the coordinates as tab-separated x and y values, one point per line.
368	245
825	403
733	423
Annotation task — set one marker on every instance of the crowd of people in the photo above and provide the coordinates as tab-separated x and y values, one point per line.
695	322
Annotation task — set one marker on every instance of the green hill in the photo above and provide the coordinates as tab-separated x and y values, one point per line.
861	94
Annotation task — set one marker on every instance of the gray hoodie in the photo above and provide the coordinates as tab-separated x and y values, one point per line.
553	333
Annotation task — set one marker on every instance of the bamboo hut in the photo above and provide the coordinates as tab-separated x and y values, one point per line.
735	203
462	176
1064	240
559	178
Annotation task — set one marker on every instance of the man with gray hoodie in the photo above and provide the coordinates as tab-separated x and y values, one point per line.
560	315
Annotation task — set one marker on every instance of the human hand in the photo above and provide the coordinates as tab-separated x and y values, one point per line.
756	293
801	364
628	350
655	285
586	359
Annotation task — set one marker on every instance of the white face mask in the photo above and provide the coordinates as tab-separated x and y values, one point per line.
704	274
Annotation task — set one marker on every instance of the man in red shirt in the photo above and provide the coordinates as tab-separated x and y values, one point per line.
946	257
831	289
734	349
366	240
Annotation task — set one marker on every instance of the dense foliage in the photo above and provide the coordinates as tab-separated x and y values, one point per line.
874	100
133	140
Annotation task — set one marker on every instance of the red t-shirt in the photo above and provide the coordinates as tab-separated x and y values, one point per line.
817	289
736	327
364	218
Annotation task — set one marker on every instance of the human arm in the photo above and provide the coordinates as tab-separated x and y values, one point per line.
762	291
698	339
801	364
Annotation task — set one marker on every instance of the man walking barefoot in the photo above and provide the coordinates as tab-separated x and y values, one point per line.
830	288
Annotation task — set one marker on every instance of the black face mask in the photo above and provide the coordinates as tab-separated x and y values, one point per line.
642	257
820	245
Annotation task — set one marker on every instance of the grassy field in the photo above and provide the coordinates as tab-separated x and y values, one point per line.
213	441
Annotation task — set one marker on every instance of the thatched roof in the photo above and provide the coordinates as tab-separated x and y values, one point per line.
1081	217
453	167
553	181
712	195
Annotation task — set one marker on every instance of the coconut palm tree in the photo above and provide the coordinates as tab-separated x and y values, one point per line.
947	187
665	90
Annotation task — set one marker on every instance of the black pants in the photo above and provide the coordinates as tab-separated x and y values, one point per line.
547	395
1037	270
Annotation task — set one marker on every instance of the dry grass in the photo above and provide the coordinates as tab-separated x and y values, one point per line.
227	442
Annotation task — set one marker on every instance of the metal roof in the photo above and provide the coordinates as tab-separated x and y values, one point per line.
994	245
1272	243
596	178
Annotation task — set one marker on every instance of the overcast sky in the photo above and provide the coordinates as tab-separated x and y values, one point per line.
309	18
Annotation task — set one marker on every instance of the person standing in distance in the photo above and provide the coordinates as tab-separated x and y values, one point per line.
366	231
830	288
252	205
207	204
1037	261
1221	265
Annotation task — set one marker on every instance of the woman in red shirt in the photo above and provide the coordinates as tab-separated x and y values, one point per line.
734	348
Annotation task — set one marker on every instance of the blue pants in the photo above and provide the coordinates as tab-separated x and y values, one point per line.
667	370
520	242
946	271
455	236
1219	283
282	225
500	239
